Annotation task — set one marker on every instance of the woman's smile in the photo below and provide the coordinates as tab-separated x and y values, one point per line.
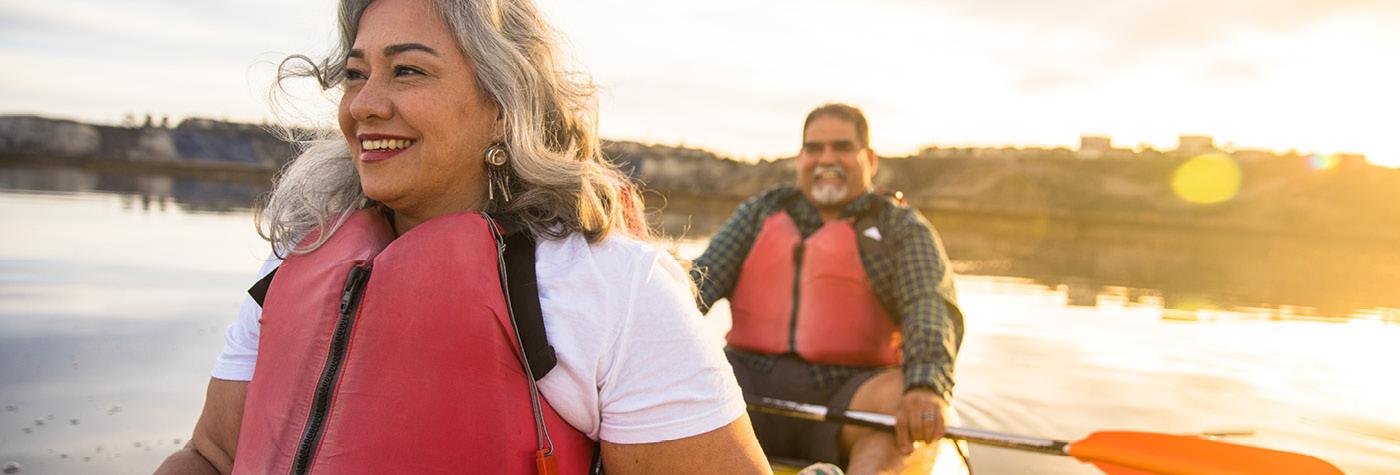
377	147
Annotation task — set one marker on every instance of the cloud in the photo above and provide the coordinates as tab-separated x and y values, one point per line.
102	58
1159	21
1068	44
984	71
155	31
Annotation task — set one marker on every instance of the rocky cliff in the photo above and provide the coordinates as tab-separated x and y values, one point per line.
195	143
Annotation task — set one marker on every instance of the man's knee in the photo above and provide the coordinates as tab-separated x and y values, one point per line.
880	393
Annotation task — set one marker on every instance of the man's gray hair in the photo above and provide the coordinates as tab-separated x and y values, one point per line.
846	112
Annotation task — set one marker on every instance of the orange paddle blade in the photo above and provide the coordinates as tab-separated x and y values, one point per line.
1140	452
1116	470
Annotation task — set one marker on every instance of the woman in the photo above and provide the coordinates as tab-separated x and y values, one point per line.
385	342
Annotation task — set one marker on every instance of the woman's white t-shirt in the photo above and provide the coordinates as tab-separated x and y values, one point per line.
637	363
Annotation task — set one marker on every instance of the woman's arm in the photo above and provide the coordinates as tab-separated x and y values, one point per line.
668	398
215	438
728	449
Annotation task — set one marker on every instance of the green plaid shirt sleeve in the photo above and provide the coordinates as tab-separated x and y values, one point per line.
926	302
717	270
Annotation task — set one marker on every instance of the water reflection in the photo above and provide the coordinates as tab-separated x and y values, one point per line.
109	320
1191	272
1188	271
144	191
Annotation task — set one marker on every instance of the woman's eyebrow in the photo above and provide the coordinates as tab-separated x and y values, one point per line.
402	47
396	49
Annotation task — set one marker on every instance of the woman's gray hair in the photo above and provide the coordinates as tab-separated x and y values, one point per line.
562	182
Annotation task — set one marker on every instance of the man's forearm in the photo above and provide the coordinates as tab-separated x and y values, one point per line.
930	348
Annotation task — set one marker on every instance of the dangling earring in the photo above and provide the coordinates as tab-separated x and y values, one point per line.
497	172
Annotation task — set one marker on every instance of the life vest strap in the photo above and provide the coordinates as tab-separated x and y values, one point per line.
525	298
259	289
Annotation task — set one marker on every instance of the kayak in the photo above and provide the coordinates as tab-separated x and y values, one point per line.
928	459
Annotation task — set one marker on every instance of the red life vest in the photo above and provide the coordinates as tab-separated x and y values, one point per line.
423	373
839	320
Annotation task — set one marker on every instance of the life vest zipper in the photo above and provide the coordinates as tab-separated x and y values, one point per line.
321	399
796	295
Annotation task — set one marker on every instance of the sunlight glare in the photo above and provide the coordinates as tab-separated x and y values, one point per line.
1207	179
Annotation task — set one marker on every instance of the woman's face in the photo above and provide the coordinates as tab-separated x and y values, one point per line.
416	122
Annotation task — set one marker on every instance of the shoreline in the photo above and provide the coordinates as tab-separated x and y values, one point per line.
1278	196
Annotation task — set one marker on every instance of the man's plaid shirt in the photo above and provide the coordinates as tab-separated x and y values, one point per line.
913	281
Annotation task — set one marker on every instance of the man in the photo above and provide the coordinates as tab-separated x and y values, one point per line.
840	297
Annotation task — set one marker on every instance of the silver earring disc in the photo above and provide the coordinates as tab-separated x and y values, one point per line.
496	155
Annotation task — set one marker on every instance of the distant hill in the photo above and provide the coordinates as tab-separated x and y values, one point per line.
1280	195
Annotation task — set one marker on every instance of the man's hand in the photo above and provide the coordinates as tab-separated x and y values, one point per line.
921	417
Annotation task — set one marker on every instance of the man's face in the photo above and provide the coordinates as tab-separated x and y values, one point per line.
834	167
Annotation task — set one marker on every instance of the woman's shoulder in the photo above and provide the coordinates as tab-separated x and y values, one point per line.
617	252
616	269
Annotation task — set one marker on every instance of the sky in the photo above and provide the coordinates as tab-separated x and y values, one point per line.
737	78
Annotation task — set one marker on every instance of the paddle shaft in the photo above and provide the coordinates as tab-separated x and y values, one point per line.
1115	452
886	422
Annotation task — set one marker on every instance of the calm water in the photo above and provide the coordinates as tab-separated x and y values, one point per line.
114	293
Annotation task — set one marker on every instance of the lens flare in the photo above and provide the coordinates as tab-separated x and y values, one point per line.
1207	179
1323	162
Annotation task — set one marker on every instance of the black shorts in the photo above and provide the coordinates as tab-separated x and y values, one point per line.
791	379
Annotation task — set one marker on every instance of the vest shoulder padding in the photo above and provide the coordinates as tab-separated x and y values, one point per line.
870	245
522	287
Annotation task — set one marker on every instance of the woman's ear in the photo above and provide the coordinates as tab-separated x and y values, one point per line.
500	128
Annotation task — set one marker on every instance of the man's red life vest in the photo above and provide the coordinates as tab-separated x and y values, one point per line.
839	320
408	365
